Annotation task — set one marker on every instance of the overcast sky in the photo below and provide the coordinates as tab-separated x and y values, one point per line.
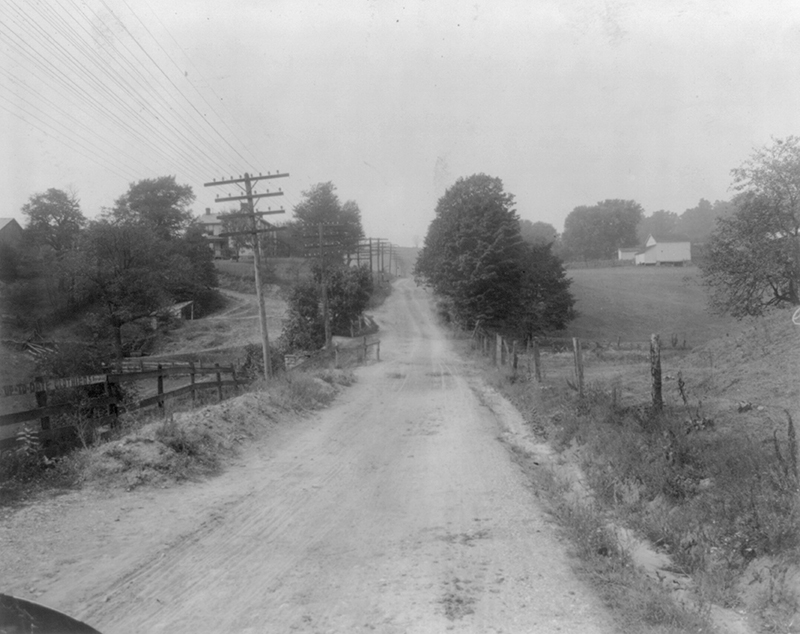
568	103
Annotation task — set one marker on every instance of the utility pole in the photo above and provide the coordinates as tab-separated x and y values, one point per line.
326	242
251	214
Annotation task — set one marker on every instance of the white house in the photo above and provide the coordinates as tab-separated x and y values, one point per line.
628	253
665	249
212	227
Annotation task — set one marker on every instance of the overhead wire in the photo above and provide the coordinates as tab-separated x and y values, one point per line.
208	84
47	42
58	138
116	78
213	128
67	115
154	62
116	88
41	62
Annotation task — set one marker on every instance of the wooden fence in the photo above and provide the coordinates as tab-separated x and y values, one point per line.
358	350
566	358
101	405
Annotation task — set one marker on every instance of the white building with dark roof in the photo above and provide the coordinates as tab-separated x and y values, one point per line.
665	249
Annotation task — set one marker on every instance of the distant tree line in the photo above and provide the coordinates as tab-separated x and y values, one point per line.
476	260
141	255
751	244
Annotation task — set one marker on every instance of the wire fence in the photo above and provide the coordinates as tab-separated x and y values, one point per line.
580	363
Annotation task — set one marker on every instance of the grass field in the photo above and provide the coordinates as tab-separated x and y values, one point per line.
634	302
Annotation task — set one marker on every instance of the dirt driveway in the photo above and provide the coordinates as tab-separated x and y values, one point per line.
396	510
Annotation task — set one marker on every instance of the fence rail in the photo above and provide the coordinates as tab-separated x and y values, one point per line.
567	359
103	409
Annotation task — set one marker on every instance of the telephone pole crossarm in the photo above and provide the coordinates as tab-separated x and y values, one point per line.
253	216
252	179
248	197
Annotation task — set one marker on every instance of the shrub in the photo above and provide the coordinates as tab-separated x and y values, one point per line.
252	367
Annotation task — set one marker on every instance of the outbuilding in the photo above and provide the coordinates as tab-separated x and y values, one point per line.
10	232
671	250
628	253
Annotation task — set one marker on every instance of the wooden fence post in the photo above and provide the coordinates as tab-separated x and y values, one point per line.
41	401
578	352
514	357
537	363
112	407
365	350
336	356
160	387
219	383
498	349
192	380
655	371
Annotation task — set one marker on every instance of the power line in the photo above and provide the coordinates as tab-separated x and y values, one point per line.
43	63
120	87
225	140
60	140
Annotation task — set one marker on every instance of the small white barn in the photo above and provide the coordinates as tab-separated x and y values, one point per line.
628	253
665	249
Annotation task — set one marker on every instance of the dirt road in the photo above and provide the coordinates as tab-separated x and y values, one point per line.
397	510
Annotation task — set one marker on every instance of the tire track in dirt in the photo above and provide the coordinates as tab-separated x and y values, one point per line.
397	510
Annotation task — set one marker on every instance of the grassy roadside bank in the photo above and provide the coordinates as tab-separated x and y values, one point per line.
709	483
164	448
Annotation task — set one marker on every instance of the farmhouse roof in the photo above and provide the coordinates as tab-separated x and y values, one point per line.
669	237
6	221
209	218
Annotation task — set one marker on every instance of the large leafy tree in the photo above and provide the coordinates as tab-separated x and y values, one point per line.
191	266
596	232
699	222
475	258
753	259
160	203
538	232
658	223
546	304
54	219
125	267
340	222
349	290
472	252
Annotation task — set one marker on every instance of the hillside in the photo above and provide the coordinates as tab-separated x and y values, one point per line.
634	302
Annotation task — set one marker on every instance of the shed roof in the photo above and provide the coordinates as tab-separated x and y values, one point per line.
6	221
669	237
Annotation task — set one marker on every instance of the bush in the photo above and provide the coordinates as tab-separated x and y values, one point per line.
252	368
304	328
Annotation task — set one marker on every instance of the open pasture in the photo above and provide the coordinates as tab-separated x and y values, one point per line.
633	302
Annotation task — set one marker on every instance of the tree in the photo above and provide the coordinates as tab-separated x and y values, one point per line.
660	222
125	267
698	223
753	259
537	232
159	203
54	220
349	290
321	206
475	259
595	233
546	302
472	253
192	274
